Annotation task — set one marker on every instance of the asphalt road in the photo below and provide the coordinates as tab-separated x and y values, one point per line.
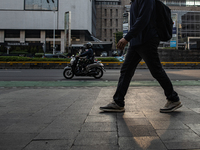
109	75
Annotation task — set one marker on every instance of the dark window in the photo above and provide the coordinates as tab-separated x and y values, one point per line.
49	34
32	34
183	35
12	33
197	17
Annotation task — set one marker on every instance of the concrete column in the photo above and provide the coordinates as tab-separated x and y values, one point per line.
2	36
43	36
62	43
22	36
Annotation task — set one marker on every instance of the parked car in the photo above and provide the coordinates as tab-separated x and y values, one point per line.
54	56
120	58
104	54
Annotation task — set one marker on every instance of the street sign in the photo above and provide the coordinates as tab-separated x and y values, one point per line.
172	43
174	39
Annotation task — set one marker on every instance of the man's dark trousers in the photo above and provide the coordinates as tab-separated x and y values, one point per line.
149	53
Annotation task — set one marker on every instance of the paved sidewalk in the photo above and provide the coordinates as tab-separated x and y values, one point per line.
68	118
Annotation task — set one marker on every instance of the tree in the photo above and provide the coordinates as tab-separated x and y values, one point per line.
118	36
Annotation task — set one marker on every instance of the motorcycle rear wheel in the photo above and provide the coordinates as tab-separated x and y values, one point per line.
68	74
100	73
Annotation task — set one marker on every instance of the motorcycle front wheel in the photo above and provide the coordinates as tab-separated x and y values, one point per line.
100	73
68	74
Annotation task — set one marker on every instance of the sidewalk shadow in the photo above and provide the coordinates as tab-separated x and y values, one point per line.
142	135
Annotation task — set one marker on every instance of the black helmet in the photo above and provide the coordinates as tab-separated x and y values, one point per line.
89	45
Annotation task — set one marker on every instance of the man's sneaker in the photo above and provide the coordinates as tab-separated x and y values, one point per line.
112	107
170	106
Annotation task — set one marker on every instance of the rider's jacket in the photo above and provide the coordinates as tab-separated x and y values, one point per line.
89	54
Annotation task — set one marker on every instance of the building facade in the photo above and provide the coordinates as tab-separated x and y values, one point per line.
109	18
34	21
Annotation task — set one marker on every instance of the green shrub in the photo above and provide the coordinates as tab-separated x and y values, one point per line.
18	52
108	59
19	58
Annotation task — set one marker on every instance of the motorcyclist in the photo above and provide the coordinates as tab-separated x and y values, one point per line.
89	56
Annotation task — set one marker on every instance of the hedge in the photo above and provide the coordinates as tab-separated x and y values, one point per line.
19	58
108	59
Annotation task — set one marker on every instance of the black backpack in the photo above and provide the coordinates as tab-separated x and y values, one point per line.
164	23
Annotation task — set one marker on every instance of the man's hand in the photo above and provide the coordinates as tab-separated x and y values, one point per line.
122	43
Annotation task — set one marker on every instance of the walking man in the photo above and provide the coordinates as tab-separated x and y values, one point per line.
144	42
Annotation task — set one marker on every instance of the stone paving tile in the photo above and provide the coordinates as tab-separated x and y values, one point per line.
141	143
54	134
157	116
15	141
188	117
102	118
195	128
67	119
25	128
96	138
178	136
6	122
168	125
197	110
132	121
136	131
182	145
131	115
49	145
96	147
99	126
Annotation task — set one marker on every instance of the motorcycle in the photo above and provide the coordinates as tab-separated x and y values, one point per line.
95	69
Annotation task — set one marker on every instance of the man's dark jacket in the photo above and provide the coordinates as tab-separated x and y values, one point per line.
88	53
142	22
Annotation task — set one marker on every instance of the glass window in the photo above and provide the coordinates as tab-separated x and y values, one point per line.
49	34
12	33
197	17
190	2
41	5
110	22
182	2
110	32
76	35
32	33
197	2
105	32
